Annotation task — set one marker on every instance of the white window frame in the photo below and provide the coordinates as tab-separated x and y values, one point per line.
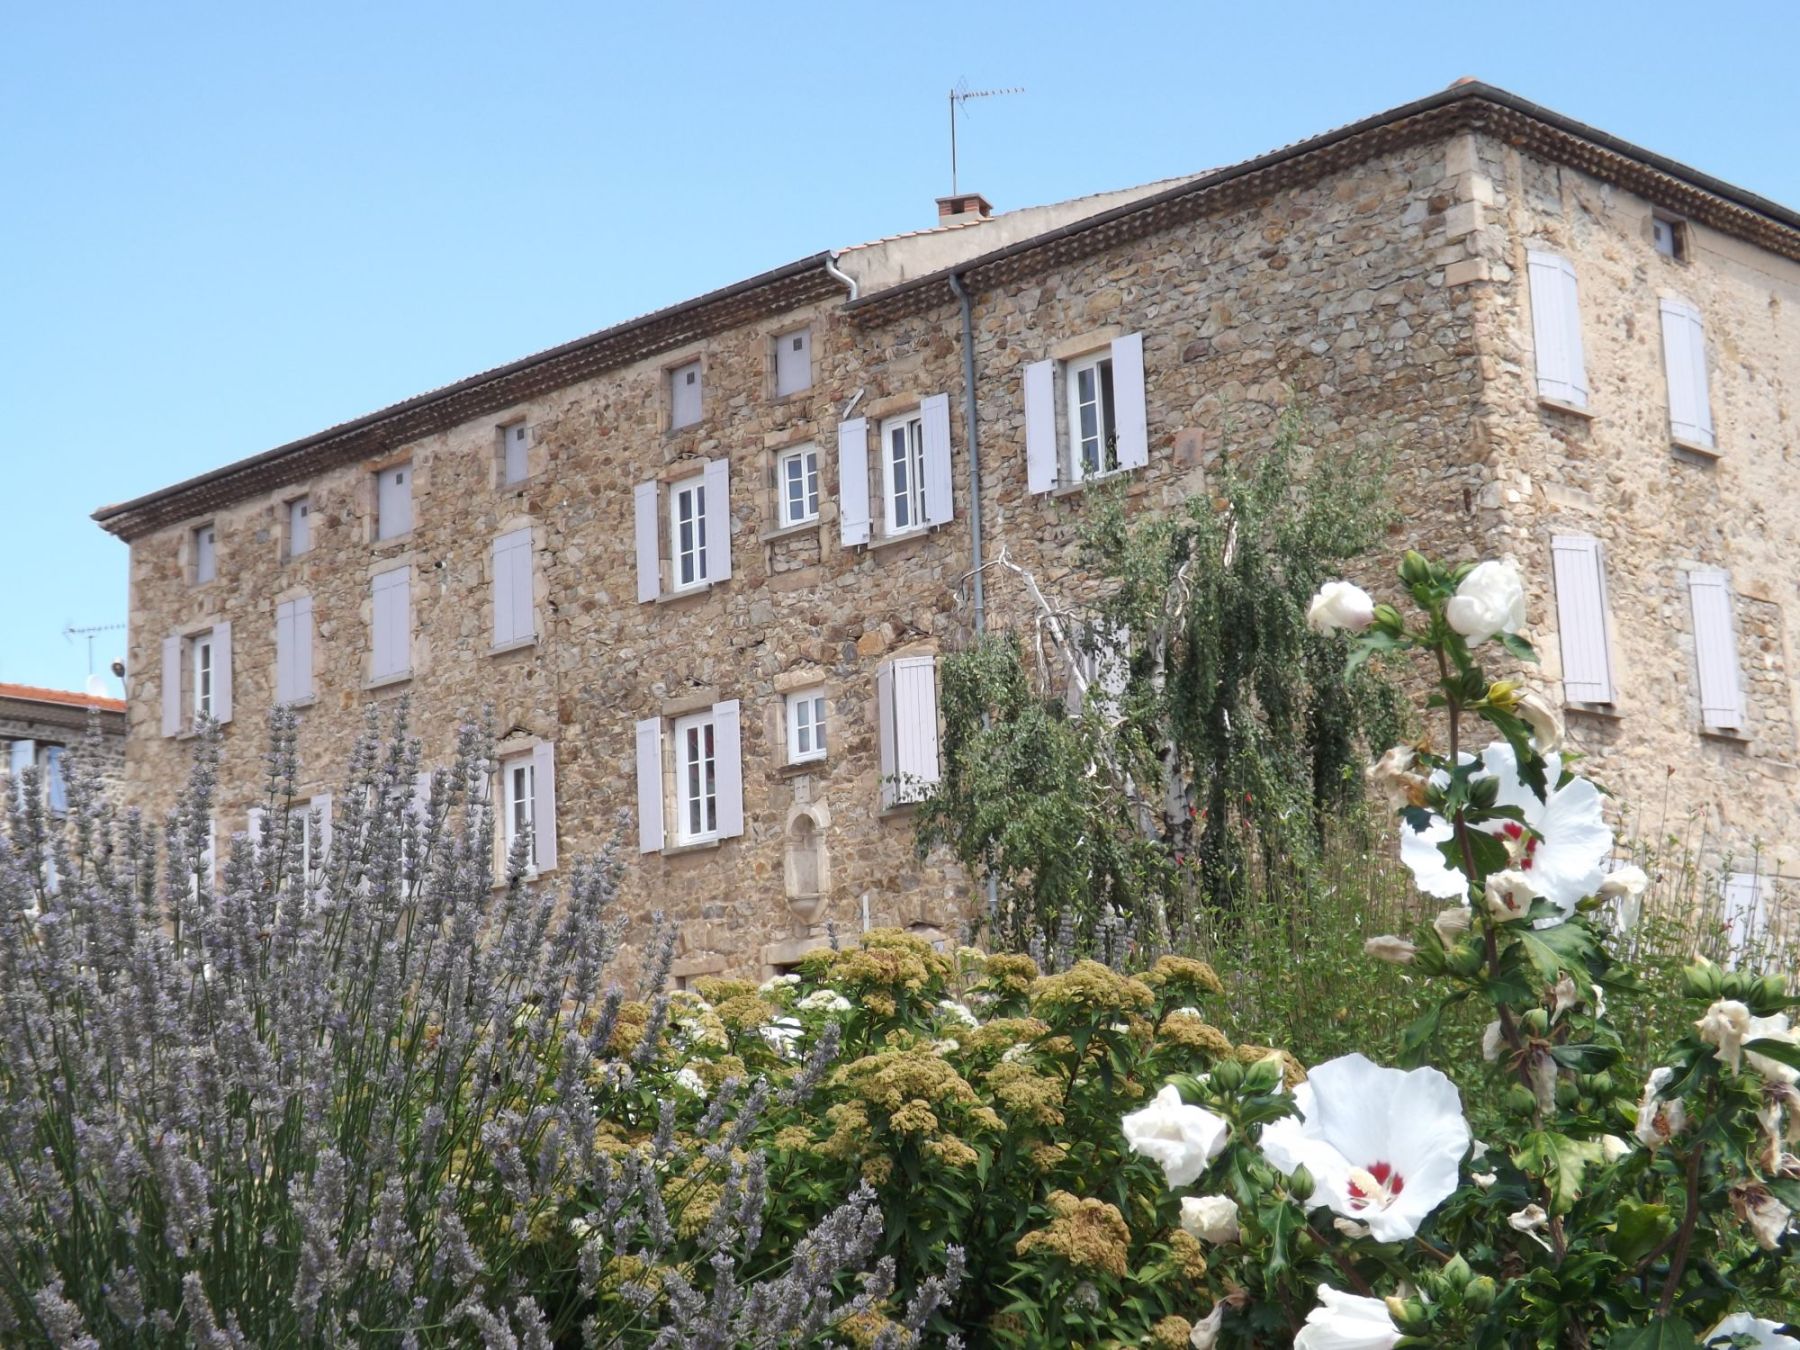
518	799
787	380
912	493
682	413
515	452
52	766
206	553
1106	406
403	478
1744	913
1674	231
204	674
806	725
807	458
299	524
696	770
693	489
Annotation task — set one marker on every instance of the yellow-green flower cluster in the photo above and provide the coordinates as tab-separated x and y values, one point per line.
1088	1234
1189	1030
1010	973
1172	1333
1183	979
1088	990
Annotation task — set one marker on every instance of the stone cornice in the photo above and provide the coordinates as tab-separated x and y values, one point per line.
1468	106
776	292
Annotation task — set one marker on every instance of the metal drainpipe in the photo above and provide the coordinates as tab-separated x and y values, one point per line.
968	345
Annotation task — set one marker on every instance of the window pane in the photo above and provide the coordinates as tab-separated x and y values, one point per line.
812	482
1110	441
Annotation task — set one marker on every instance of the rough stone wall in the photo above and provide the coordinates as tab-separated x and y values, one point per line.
1659	510
1381	294
68	727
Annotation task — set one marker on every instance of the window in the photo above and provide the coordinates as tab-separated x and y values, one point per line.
390	617
517	802
206	565
20	756
294	650
903	472
684	395
693	533
1556	330
687	532
200	651
1669	237
1103	423
299	526
805	726
196	678
56	785
1744	912
797	480
1684	362
705	773
906	705
1715	651
696	779
514	616
393	502
1093	437
793	362
1581	618
515	453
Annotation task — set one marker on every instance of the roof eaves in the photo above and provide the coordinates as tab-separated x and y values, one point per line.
795	283
1467	103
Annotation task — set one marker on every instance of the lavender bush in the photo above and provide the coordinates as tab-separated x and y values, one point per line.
349	1098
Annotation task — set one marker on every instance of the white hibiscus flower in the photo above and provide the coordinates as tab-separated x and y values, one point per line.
1563	852
1347	1322
1383	1145
1763	1333
1182	1138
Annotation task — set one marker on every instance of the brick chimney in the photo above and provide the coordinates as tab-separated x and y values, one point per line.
964	208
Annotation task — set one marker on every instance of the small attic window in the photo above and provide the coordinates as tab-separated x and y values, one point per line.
1669	236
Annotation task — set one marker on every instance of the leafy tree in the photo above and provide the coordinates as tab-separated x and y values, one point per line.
1211	734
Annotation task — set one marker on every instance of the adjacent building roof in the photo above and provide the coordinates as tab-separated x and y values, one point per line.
1466	105
30	693
59	709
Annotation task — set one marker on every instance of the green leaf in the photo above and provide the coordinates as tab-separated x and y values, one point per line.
1585	1056
1518	647
1638	1230
1561	1161
1281	1223
1567	946
1418	1034
1669	1333
1786	1052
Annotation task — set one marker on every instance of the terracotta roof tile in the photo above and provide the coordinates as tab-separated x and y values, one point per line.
32	694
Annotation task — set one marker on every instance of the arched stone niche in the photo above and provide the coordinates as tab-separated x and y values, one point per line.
806	863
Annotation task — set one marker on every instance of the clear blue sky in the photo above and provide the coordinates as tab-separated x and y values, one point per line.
232	225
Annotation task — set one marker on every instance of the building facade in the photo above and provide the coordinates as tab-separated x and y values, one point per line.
42	728
700	565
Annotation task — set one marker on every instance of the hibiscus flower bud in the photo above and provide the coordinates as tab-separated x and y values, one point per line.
1490	1040
1490	600
1415	569
1480	1294
1452	923
1264	1076
1340	606
1509	895
1545	722
1301	1184
1391	948
1211	1218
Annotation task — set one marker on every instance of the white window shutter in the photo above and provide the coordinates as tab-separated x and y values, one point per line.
649	556
321	804
303	647
940	500
391	618
171	686
717	480
1581	618
512	588
1556	329
1684	361
1715	651
884	721
524	613
1744	914
543	822
728	768
650	785
222	672
853	481
293	650
909	728
253	824
1040	426
1130	415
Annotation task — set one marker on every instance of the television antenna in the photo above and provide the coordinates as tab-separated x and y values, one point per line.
958	97
71	632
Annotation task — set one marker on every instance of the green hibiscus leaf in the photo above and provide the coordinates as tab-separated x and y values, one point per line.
1669	1333
1638	1229
1787	1052
1560	1160
1567	946
1585	1056
1518	647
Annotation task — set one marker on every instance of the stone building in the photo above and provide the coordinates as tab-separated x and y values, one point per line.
40	728
701	563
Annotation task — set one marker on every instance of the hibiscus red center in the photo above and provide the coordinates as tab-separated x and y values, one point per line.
1377	1185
